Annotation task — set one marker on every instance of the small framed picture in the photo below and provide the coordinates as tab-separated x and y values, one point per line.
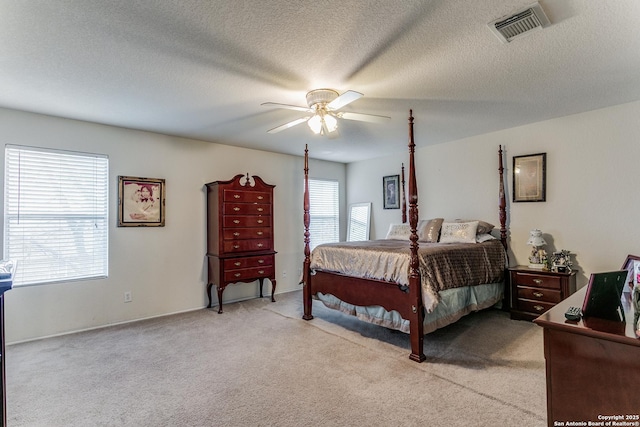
391	191
529	178
140	202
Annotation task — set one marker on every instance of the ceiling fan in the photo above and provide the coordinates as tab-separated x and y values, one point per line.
324	106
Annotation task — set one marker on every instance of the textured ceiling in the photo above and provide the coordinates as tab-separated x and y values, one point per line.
201	68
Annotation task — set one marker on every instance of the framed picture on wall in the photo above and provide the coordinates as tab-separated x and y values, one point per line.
140	202
529	178
391	191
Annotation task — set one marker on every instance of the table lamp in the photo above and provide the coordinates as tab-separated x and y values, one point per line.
538	258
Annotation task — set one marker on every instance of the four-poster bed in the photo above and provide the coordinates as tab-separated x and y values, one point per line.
422	290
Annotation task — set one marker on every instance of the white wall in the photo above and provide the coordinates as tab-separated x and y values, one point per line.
591	206
163	267
590	209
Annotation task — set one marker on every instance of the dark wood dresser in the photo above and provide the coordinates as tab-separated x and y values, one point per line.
535	291
592	367
239	234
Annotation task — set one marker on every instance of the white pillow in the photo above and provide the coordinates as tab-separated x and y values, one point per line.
459	232
484	237
399	232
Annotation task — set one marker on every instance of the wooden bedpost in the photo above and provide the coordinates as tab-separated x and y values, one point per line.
306	266
415	288
404	199
502	203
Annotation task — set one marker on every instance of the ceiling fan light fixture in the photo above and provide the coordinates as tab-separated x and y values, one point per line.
323	105
315	124
331	122
322	123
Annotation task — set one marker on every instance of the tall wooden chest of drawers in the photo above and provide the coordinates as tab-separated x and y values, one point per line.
239	234
533	291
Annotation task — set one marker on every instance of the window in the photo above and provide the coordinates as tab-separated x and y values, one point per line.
55	214
324	212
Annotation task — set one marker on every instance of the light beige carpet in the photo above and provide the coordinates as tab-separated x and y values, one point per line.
260	364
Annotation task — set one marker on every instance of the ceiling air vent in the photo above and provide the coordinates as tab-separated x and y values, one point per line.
520	23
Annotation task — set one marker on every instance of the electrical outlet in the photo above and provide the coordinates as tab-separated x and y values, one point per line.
127	296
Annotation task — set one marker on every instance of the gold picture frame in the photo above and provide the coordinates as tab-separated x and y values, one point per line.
529	178
141	202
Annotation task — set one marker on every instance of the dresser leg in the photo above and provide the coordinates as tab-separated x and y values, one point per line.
220	291
209	285
273	287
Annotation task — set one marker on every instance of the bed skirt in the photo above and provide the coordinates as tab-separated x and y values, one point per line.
454	304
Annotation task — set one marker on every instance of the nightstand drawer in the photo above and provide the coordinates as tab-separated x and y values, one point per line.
540	294
537	307
537	280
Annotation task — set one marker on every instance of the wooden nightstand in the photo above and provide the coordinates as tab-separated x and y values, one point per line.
535	291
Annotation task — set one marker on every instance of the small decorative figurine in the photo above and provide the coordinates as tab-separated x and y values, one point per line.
561	261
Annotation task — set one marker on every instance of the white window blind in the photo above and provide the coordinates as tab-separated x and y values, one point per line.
323	212
55	214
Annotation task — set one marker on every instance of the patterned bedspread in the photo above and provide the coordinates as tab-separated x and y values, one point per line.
442	265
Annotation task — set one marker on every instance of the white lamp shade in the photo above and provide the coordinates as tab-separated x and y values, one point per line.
315	124
332	123
535	238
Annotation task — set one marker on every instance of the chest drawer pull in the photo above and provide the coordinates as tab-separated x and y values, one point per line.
236	196
260	245
260	197
260	209
236	209
238	274
260	261
236	234
538	307
236	221
260	221
537	281
538	294
237	264
236	246
259	233
261	271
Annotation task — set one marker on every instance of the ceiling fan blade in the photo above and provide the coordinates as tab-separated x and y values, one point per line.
363	117
344	99
287	106
288	125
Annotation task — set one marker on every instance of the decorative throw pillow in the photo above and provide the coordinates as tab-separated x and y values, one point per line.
429	230
399	232
459	232
480	238
483	226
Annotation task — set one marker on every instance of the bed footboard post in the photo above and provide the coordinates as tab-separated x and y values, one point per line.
502	203
306	265
416	318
